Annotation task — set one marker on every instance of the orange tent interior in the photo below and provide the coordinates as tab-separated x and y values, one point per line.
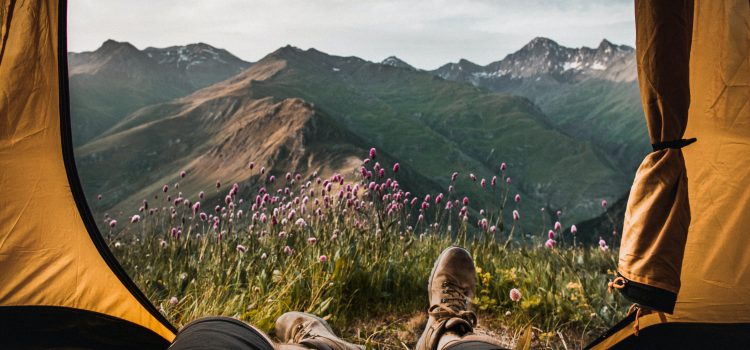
61	287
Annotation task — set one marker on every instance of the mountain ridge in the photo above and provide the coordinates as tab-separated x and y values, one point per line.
113	81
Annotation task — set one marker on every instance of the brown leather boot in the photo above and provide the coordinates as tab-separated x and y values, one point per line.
451	322
310	331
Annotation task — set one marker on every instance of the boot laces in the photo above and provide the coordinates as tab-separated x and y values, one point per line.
304	330
453	304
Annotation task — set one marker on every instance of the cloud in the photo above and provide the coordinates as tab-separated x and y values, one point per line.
425	33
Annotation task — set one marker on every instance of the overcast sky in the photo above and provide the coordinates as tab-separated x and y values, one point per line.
424	33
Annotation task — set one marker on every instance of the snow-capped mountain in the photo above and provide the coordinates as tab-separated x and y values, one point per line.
396	62
589	93
543	58
200	62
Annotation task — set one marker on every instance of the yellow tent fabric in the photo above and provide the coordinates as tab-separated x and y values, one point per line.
658	213
714	297
47	256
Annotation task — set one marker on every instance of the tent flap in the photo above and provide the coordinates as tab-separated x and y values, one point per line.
57	276
658	211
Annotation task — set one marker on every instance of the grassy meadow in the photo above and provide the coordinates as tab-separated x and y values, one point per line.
357	250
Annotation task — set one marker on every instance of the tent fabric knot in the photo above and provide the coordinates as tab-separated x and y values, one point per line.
640	311
618	283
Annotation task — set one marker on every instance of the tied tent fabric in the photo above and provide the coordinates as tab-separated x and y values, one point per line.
712	309
658	211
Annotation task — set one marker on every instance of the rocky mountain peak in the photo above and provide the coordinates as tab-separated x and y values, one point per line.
396	62
111	46
540	44
543	58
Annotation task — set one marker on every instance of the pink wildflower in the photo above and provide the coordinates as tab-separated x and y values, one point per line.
550	243
323	258
515	294
373	153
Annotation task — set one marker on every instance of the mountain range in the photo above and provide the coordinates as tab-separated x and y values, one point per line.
589	93
117	79
305	111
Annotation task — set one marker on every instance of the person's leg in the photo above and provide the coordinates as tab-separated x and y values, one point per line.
224	333
451	322
468	341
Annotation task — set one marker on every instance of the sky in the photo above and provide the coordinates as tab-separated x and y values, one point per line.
424	33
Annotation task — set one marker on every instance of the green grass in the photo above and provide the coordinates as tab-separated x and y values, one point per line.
373	286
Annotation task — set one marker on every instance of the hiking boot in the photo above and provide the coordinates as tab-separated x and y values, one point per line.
310	331
451	322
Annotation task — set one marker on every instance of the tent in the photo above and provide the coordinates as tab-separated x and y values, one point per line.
60	286
684	257
685	252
